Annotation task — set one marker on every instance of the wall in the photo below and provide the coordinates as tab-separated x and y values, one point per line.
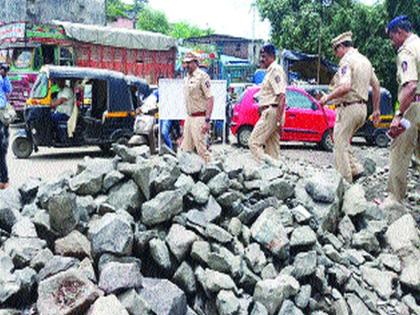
43	11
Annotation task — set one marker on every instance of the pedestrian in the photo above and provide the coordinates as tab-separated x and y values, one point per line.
405	127
199	104
264	141
350	94
5	89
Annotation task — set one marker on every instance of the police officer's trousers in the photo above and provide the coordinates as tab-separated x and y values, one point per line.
194	138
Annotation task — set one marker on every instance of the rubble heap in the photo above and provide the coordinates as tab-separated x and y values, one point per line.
134	235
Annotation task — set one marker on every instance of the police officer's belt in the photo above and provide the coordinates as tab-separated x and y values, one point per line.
264	107
198	114
345	104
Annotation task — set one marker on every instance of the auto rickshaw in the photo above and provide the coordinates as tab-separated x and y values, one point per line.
107	118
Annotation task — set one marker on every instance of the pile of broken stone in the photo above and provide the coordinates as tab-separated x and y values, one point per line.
170	235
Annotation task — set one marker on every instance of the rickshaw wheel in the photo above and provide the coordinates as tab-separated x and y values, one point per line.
22	147
381	139
243	135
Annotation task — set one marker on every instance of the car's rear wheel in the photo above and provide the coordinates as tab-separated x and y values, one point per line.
244	133
327	142
22	147
381	139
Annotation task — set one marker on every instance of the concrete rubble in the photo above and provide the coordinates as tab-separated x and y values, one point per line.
174	236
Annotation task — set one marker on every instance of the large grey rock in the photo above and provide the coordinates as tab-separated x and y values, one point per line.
27	279
64	216
130	154
111	234
24	228
6	263
272	292
165	178
190	163
22	250
88	182
126	196
381	281
259	309
164	297
301	215
117	276
402	236
41	258
29	190
302	298
49	189
215	281
111	179
200	193
346	228
185	184
410	275
8	217
227	303
160	254
180	240
56	265
366	240
200	251
74	244
356	305
209	171
107	305
279	188
303	236
86	268
219	184
229	199
218	234
410	301
221	259
391	261
354	201
304	264
255	257
162	208
184	277
142	177
288	308
268	230
10	198
134	304
68	292
321	189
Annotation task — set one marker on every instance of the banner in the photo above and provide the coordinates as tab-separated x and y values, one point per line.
172	99
12	32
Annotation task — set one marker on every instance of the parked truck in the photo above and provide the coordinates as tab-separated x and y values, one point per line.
27	47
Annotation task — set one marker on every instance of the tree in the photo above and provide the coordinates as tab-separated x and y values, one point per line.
186	30
116	9
299	24
153	20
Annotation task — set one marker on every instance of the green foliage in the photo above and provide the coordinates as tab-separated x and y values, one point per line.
153	20
116	9
186	30
299	25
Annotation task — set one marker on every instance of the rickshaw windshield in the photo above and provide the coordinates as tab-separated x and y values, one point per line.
40	88
22	58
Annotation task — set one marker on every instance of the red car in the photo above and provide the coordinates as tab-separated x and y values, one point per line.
306	119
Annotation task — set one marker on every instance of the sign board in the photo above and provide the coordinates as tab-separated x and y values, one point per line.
172	99
12	32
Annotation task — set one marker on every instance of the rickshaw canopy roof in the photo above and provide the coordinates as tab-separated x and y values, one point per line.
118	87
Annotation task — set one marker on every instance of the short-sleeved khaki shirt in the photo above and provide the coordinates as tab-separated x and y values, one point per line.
197	91
408	62
356	70
273	85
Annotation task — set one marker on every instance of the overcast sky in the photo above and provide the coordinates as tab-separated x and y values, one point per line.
230	17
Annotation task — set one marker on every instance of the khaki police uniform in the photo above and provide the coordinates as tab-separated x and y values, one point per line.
265	138
197	91
356	70
402	147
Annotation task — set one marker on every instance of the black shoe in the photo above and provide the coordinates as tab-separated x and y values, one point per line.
358	176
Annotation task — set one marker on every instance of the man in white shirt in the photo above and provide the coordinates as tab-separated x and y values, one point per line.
63	107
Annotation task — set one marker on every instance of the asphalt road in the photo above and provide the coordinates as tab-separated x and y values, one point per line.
47	163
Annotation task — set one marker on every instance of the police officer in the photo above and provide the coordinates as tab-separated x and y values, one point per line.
408	76
199	102
350	93
264	141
